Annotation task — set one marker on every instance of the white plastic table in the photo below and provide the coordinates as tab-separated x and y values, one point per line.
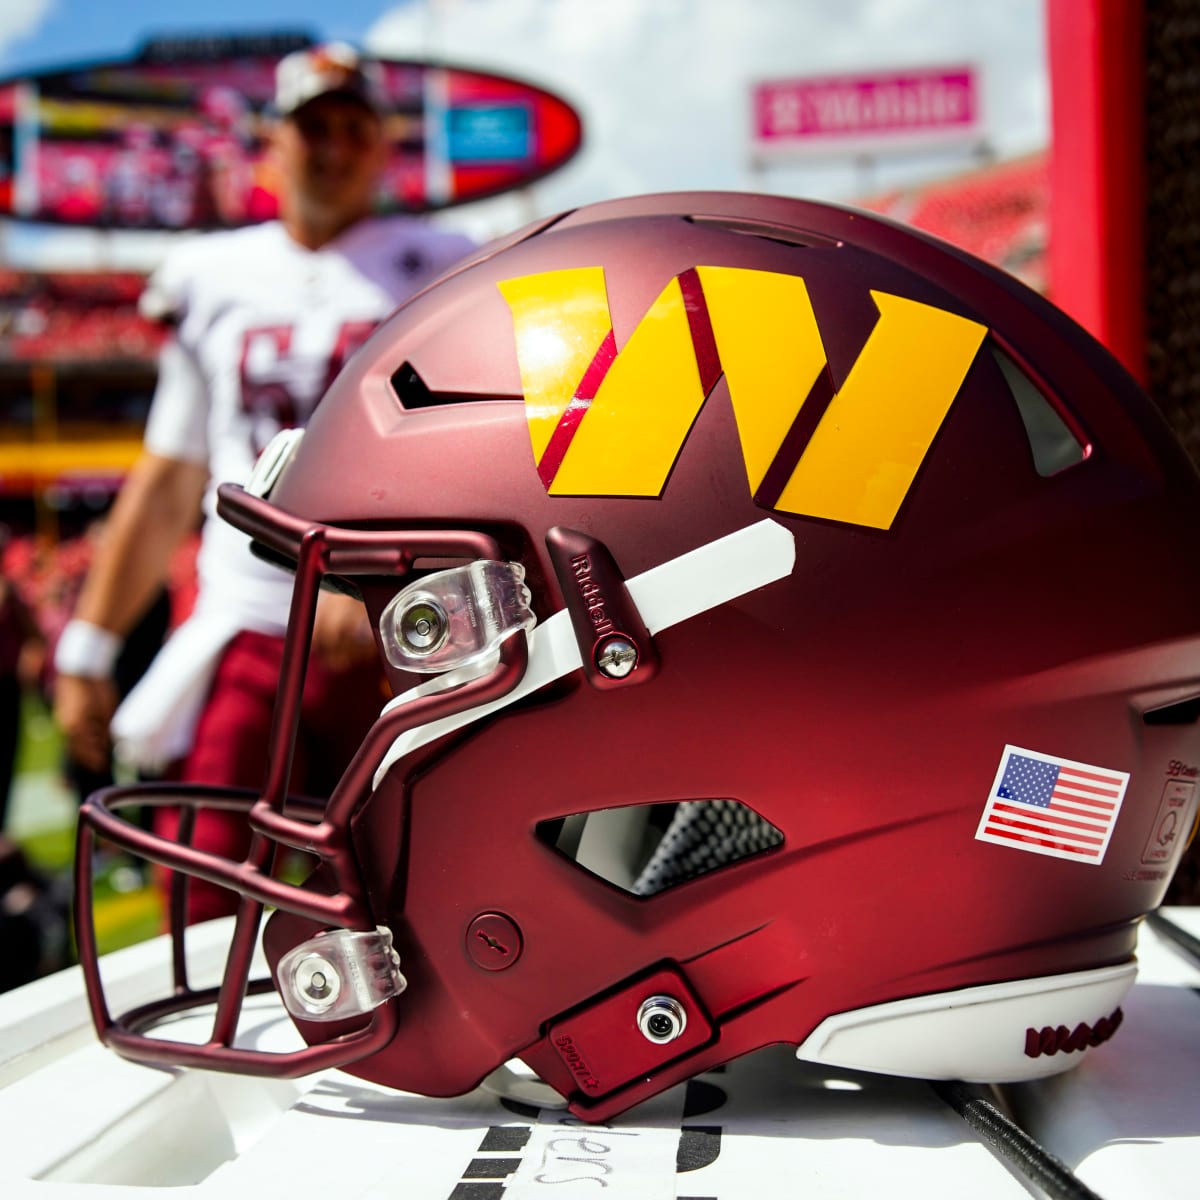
77	1121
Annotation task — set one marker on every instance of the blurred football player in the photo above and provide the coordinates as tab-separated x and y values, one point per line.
263	319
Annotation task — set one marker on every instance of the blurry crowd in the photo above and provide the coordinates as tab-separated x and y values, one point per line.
45	576
74	316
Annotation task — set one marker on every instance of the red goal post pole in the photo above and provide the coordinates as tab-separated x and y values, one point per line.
1097	236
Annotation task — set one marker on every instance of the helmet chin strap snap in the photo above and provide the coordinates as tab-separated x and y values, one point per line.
340	973
456	619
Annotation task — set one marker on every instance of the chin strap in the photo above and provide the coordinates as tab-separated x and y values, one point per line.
1180	939
683	587
1009	1142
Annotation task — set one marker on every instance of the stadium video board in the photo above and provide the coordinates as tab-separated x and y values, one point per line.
176	137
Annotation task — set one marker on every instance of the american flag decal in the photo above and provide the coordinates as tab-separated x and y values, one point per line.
1052	806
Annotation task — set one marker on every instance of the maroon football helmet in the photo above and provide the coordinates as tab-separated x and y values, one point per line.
793	632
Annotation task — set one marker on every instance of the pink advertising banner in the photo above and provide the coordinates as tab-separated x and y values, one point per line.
859	112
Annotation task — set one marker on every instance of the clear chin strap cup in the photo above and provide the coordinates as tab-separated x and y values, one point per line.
340	973
456	618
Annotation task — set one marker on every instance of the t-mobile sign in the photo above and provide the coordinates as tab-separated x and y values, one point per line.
867	111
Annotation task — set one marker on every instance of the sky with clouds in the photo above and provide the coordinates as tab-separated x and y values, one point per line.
663	85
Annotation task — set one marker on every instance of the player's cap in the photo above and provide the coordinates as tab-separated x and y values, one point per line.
334	68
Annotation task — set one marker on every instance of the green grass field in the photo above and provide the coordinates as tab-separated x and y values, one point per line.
41	820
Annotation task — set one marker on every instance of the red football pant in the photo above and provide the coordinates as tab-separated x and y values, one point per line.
230	749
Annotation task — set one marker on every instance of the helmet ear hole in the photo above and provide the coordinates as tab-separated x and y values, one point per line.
645	849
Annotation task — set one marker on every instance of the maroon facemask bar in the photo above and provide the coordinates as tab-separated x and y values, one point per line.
277	820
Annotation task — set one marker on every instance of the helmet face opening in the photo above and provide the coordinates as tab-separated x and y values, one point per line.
791	633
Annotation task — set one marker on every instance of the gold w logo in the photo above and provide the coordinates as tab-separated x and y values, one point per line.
603	422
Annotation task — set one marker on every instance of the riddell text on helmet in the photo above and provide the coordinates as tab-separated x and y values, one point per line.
592	593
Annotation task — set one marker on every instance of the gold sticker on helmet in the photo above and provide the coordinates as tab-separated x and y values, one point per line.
770	349
612	422
561	320
863	456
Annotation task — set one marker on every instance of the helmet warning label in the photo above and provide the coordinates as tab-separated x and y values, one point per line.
1172	823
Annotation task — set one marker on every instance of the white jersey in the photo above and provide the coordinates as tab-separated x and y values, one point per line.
262	327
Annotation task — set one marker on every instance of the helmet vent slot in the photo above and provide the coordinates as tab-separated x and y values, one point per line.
1053	446
1182	712
645	849
413	392
768	231
410	388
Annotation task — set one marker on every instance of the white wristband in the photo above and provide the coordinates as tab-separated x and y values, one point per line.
88	650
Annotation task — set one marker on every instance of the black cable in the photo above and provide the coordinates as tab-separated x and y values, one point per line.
1176	934
1010	1142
